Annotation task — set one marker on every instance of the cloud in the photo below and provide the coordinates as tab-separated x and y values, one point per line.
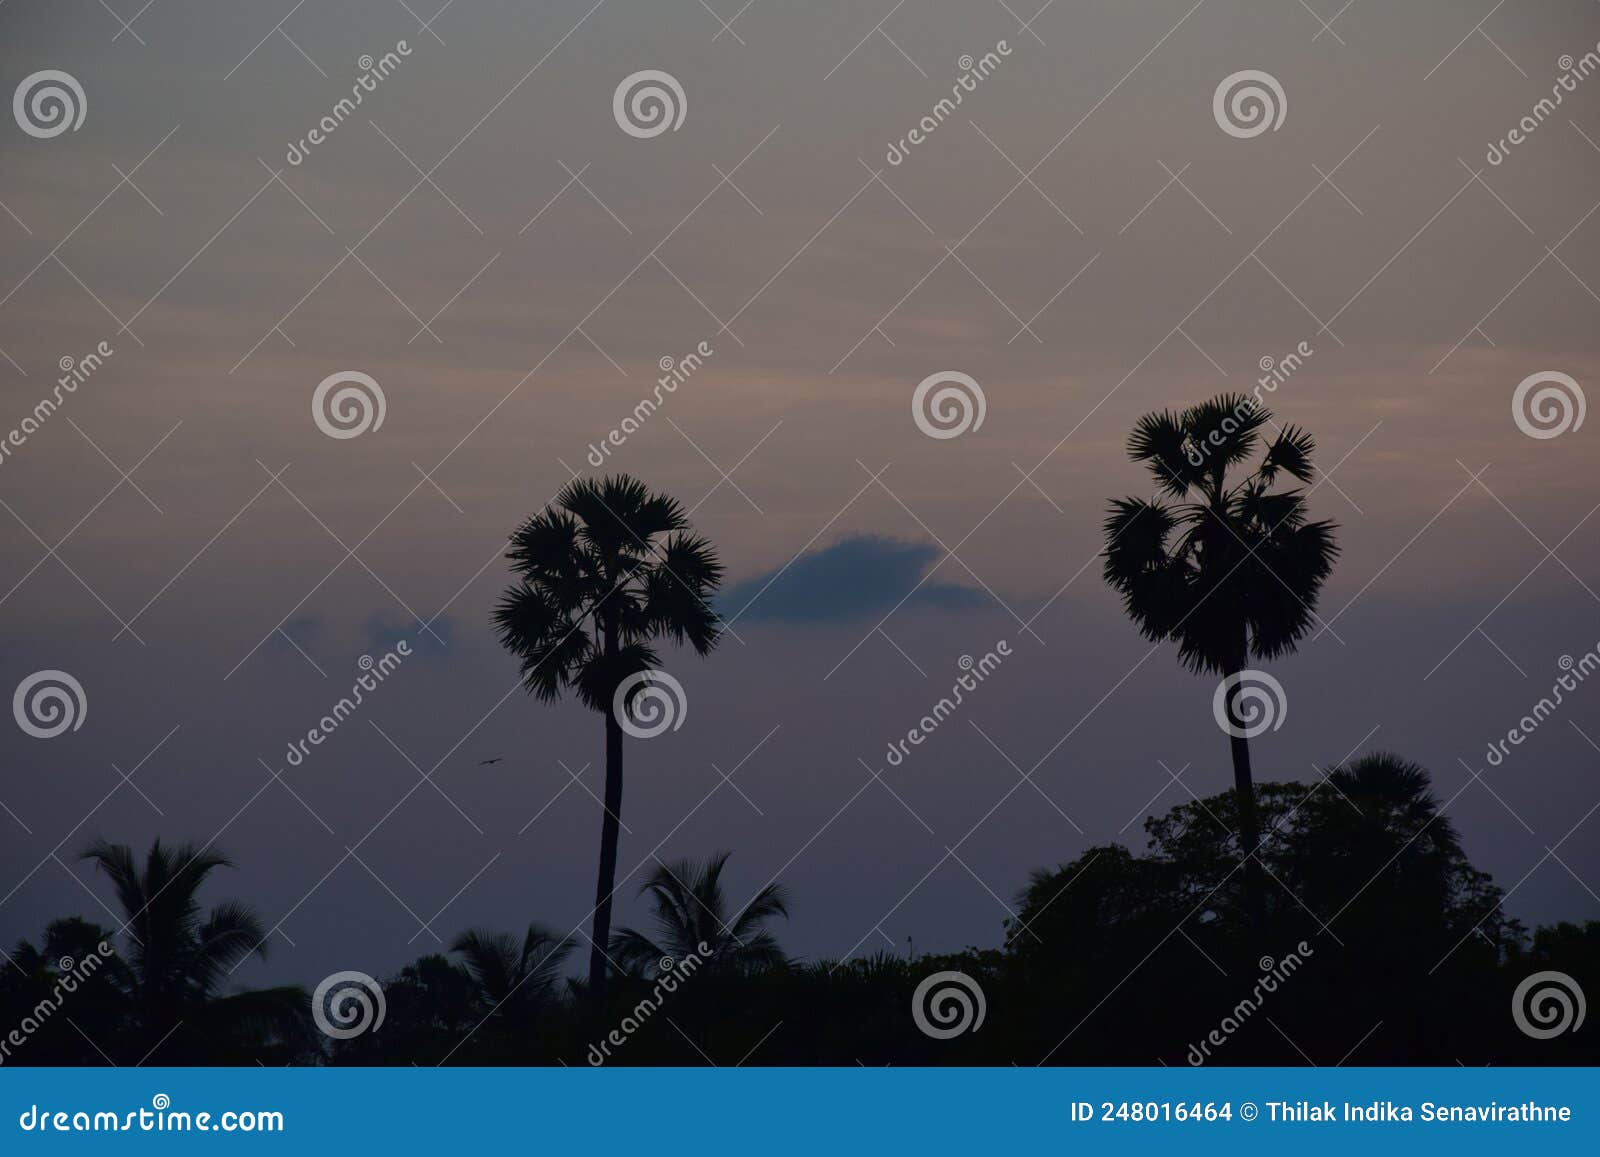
856	577
383	630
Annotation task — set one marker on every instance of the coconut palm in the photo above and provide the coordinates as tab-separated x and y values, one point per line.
178	957
1228	568
513	976
691	911
603	573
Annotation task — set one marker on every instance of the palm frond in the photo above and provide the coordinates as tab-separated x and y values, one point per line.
1160	441
231	933
1136	539
1290	452
548	641
1224	430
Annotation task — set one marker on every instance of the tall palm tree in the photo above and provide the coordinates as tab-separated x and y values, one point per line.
691	910
179	956
1229	568
513	976
604	572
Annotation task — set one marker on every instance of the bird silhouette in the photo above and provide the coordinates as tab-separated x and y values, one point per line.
487	762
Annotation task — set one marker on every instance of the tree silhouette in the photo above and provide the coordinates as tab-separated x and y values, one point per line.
178	957
1229	570
608	569
1399	927
514	978
67	961
1387	922
691	910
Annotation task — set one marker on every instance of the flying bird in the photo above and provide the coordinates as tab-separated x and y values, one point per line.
487	762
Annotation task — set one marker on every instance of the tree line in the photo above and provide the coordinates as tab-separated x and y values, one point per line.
1176	953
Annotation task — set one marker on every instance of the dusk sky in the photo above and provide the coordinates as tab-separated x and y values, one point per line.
483	238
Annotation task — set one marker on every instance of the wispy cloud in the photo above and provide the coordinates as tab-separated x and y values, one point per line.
383	630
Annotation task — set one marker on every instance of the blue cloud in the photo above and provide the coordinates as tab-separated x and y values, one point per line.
383	630
304	633
854	578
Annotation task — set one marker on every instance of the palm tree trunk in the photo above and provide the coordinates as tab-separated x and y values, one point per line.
1244	790
605	884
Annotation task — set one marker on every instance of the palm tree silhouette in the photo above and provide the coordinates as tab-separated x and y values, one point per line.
606	570
691	910
179	956
513	977
1228	570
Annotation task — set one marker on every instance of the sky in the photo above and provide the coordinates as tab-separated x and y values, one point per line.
509	259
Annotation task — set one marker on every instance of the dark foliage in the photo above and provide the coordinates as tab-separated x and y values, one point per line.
1386	946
